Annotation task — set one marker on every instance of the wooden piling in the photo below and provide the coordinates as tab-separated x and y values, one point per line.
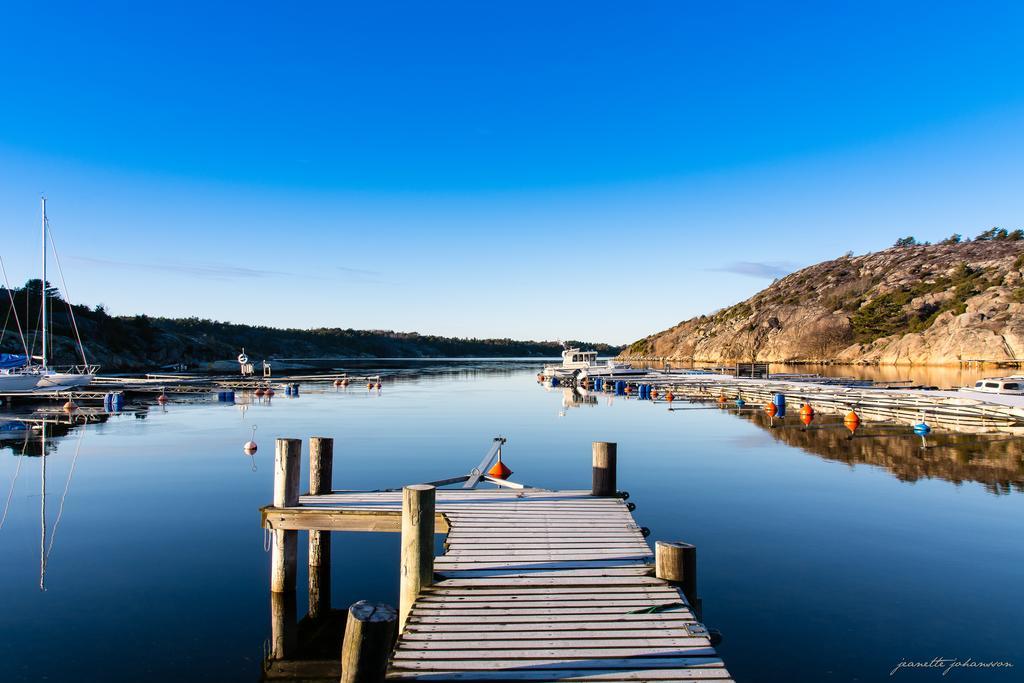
321	468
369	637
417	568
321	465
287	455
604	456
676	562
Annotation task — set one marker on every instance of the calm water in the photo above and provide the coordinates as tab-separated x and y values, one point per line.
821	557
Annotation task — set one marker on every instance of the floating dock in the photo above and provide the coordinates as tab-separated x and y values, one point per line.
534	584
963	410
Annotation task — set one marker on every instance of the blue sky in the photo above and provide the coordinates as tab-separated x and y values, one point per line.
531	170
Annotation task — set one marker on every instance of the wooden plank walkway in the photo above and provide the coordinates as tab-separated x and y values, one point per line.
535	585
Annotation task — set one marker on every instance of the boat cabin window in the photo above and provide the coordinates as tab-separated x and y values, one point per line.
979	384
1012	386
992	385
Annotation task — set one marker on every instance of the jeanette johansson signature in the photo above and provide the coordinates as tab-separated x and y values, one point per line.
947	664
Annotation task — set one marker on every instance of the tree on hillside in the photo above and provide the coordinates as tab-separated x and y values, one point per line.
955	238
906	242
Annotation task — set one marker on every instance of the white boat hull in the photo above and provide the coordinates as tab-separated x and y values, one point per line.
62	380
18	382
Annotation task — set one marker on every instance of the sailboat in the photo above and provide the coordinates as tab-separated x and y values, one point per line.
18	372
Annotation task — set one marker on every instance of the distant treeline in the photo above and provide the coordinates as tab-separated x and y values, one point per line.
141	341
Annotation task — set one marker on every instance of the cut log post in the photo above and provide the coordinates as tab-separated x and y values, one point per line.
417	569
369	636
287	455
676	562
604	483
321	465
321	468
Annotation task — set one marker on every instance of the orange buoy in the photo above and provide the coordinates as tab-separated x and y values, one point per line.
852	421
669	397
337	383
806	409
771	409
259	392
654	393
344	382
269	391
721	398
378	385
806	418
499	470
369	385
629	389
162	398
70	406
249	447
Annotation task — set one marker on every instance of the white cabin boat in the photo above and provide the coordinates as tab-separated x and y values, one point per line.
1012	385
578	363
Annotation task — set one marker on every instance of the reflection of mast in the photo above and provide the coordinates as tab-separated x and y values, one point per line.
42	507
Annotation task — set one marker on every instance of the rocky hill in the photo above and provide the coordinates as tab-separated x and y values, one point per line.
910	304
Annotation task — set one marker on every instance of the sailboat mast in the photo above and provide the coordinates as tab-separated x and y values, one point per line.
43	200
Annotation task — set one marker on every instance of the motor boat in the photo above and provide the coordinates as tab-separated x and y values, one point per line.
577	364
1012	386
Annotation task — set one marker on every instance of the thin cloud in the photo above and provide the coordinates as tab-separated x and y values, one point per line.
358	271
210	271
769	270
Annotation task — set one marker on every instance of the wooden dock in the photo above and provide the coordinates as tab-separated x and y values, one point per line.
534	584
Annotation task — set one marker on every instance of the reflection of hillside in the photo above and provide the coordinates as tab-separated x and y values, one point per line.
994	460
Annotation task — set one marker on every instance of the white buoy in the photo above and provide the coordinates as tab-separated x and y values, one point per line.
250	446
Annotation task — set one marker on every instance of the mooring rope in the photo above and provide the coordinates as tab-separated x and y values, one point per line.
10	295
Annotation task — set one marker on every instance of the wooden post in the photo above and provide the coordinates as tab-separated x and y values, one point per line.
604	454
369	637
417	569
321	467
676	562
286	494
287	455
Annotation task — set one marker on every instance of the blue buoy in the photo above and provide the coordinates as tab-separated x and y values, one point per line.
620	388
554	381
922	428
288	390
740	403
780	404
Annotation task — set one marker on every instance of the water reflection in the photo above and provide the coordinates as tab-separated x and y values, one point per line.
995	460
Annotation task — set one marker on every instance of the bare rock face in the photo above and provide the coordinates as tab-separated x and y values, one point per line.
922	304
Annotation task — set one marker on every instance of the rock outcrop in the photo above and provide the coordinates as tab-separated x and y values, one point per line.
921	304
